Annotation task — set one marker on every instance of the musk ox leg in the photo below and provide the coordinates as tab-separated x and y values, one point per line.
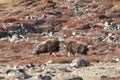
50	53
69	54
73	54
35	52
53	53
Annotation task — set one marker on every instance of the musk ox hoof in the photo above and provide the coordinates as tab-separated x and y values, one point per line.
34	53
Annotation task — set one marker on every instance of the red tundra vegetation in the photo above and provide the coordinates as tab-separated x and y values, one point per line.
86	18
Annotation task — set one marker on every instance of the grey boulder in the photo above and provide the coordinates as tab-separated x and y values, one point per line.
80	63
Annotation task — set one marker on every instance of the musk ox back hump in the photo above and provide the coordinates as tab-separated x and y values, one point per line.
52	45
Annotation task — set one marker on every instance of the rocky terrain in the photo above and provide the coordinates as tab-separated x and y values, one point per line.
26	23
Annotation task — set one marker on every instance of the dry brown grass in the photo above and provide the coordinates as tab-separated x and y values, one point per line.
6	1
116	8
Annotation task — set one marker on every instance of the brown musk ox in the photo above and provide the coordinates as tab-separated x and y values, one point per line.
48	46
73	47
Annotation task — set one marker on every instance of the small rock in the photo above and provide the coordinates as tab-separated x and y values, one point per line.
111	26
30	65
32	17
9	71
21	74
45	77
3	33
116	59
76	78
39	22
80	63
86	27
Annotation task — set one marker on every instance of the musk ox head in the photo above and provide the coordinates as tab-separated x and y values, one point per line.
83	49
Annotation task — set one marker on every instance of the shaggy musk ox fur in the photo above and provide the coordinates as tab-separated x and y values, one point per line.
73	47
51	46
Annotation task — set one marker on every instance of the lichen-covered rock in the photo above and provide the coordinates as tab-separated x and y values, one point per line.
67	76
19	73
110	37
80	63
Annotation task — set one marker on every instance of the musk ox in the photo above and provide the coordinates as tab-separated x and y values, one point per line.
51	46
73	47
